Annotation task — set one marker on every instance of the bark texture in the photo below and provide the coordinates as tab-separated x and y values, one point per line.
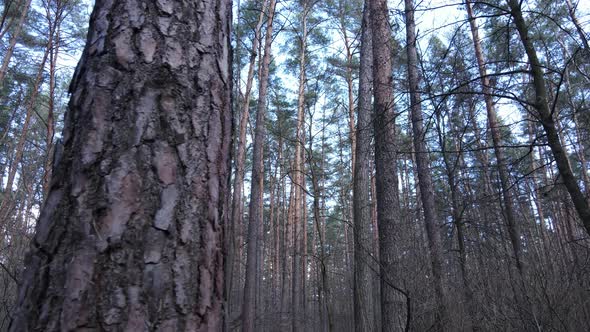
130	236
385	163
363	235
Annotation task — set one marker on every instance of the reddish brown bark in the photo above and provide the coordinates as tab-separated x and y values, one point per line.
298	296
255	208
130	236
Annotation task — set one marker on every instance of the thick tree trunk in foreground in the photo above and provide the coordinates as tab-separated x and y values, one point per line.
423	170
255	208
545	115
363	236
385	163
130	235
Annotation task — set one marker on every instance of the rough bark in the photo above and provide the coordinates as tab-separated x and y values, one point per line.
545	115
385	162
130	236
255	208
363	236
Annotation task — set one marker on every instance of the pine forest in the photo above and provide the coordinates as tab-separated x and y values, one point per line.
295	165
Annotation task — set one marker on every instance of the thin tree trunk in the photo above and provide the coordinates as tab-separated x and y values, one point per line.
255	210
423	169
375	246
234	232
4	24
349	82
577	24
18	101
287	261
545	115
50	122
298	280
513	227
8	200
457	215
280	220
327	323
130	235
13	39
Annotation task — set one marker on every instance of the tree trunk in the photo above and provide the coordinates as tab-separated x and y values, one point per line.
5	24
423	170
545	115
280	219
457	210
130	235
298	281
513	227
6	205
364	319
234	230
50	122
348	47
255	213
375	246
576	22
13	39
385	162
